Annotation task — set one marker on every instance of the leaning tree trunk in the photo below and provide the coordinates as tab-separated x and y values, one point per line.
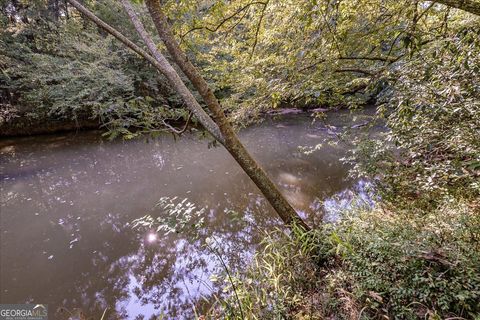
220	128
231	143
161	65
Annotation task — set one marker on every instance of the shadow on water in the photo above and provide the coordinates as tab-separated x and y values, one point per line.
68	202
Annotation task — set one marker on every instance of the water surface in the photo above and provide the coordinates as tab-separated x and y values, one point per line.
67	203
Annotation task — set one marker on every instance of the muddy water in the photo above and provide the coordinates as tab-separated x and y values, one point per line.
67	203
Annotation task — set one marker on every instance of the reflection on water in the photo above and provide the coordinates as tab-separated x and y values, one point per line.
358	196
67	203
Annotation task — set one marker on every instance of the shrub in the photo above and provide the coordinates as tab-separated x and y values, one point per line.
410	265
431	150
375	263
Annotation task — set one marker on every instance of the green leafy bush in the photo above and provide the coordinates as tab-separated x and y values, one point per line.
68	69
373	264
432	148
411	265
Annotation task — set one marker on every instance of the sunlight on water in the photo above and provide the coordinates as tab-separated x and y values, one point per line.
152	237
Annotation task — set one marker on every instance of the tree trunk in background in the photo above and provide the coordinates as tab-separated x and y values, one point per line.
472	6
220	128
161	65
231	143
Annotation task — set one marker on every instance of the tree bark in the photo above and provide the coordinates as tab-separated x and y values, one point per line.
162	65
232	143
220	127
472	6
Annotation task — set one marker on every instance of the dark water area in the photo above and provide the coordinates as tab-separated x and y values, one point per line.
68	202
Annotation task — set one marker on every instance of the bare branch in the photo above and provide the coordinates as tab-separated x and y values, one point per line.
354	70
226	19
312	65
259	25
373	58
176	131
385	59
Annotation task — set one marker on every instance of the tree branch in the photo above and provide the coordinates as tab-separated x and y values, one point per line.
218	26
373	58
259	25
385	59
162	65
354	70
174	130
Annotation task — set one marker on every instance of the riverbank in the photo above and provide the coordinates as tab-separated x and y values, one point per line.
25	125
373	263
29	126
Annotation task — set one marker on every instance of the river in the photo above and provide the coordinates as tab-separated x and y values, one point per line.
68	202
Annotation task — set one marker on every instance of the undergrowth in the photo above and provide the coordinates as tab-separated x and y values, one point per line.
372	264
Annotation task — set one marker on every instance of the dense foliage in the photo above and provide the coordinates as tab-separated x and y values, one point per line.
372	264
264	53
433	116
257	55
417	254
65	68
